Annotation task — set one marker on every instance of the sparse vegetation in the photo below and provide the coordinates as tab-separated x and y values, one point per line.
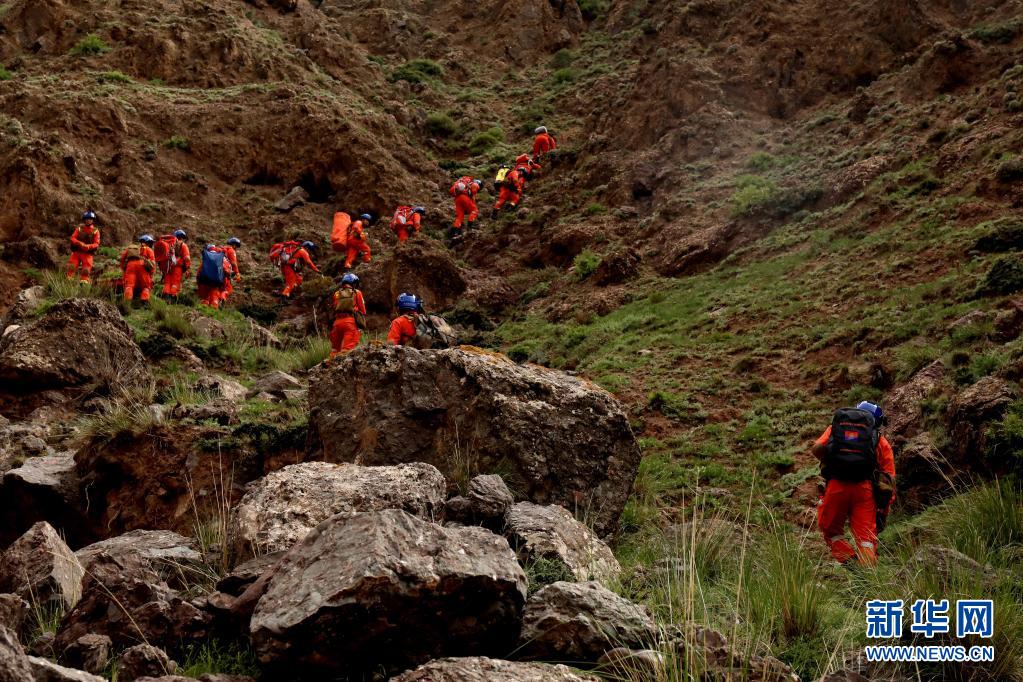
89	46
441	125
177	142
113	77
5	75
585	264
483	142
418	71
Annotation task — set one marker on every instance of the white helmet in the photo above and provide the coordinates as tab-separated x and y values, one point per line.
460	187
540	130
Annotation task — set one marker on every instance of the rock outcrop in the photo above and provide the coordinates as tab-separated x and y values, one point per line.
480	669
280	509
550	532
175	558
486	503
555	438
387	589
13	661
41	489
41	568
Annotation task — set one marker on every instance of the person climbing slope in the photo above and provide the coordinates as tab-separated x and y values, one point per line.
174	261
464	190
858	467
407	220
84	245
230	251
356	245
350	316
213	276
138	263
510	184
543	143
403	328
526	167
291	257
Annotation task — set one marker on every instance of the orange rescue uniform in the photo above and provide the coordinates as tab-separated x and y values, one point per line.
465	202
232	257
852	502
293	268
137	272
84	244
404	222
357	244
176	273
543	143
212	295
345	334
403	330
511	190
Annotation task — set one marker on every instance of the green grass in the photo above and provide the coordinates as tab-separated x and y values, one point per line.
5	75
486	140
89	46
441	124
585	264
418	71
216	656
113	77
177	142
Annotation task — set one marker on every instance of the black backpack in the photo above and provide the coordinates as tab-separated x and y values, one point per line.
852	447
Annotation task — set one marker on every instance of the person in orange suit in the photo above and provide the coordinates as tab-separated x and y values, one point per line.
526	167
232	257
853	455
292	270
84	245
511	191
543	143
349	306
464	191
138	263
179	268
357	244
210	294
406	220
403	328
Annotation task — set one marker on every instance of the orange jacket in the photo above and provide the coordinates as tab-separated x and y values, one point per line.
85	238
516	179
403	330
357	235
412	219
359	302
471	188
145	253
298	258
231	257
183	255
543	143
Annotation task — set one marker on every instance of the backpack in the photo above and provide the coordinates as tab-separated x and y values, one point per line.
344	301
166	251
211	271
852	447
133	252
403	215
339	231
432	331
501	179
281	253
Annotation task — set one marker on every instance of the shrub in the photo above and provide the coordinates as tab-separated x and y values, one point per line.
591	9
440	124
753	192
566	75
585	264
89	46
5	75
762	161
482	142
541	571
176	142
1010	170
113	77
418	71
995	33
1004	277
562	58
596	208
1006	235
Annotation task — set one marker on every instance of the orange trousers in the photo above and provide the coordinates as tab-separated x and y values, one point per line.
228	289
507	195
172	280
353	252
211	295
137	279
80	263
853	503
344	335
292	280
465	207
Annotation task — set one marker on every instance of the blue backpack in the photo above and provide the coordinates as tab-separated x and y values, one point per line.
211	271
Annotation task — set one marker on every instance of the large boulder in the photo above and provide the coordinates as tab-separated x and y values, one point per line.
90	653
124	599
555	438
175	558
78	343
13	610
580	622
41	489
40	567
902	404
144	660
486	503
969	414
47	671
247	572
280	509
551	533
480	669
423	267
387	589
14	664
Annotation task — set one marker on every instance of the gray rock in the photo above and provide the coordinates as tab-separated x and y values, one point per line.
480	669
90	653
633	664
551	532
175	558
143	660
580	622
387	589
555	438
220	387
42	488
490	498
971	411
296	197
222	411
206	326
246	573
47	671
281	508
970	319
14	664
902	405
13	610
28	302
41	568
275	383
264	337
79	342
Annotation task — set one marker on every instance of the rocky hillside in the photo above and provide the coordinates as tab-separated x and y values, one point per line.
758	211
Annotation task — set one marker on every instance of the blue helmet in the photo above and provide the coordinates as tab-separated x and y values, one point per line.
147	239
180	234
89	215
420	210
351	279
365	216
308	245
409	303
234	241
872	409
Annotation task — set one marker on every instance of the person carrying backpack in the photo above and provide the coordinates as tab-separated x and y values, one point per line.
350	316
510	183
232	257
543	143
174	260
403	328
858	467
84	245
213	275
464	191
526	167
407	220
292	263
356	245
138	263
